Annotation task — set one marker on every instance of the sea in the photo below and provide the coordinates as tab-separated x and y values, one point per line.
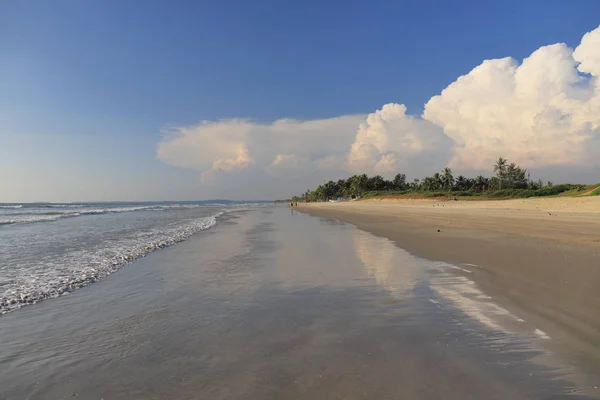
154	301
49	250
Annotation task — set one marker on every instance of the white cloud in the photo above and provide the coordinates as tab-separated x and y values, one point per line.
209	146
242	161
239	144
332	163
286	161
288	165
588	54
542	112
390	139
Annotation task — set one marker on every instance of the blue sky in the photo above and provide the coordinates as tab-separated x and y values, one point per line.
87	87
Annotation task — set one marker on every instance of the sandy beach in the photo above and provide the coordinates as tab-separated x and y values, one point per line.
562	220
539	258
271	303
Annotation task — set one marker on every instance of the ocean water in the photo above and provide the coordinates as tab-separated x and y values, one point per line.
48	250
274	304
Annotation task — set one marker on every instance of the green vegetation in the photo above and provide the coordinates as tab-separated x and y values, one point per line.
511	181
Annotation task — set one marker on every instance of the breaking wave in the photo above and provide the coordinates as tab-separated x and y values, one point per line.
24	285
41	214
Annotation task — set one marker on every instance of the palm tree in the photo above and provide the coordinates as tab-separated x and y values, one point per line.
415	185
359	184
481	183
470	184
431	183
376	183
461	183
437	178
510	174
500	169
493	183
399	182
447	179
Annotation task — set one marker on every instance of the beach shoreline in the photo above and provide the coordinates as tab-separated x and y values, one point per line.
539	258
272	303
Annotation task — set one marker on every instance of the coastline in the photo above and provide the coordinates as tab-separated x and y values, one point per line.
539	258
272	303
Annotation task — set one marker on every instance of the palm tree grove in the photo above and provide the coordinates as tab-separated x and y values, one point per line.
510	180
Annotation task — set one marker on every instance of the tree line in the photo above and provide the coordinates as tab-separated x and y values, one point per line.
509	177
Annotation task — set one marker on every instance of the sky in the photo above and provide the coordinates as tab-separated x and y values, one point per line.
189	100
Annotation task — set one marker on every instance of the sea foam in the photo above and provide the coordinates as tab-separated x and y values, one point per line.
30	284
43	214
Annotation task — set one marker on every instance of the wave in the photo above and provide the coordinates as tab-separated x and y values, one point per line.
11	221
31	218
40	215
79	268
41	205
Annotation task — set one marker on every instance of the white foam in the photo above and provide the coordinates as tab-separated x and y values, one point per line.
541	334
72	270
465	295
42	214
461	269
26	219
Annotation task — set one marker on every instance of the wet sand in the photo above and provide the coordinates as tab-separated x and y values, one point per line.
276	304
539	258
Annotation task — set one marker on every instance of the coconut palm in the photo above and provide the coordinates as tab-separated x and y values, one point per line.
500	169
509	176
481	183
439	183
358	184
461	183
399	182
415	184
447	180
376	183
431	183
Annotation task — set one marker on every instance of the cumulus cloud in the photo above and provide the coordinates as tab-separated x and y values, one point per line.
286	161
542	113
208	146
233	145
289	165
390	139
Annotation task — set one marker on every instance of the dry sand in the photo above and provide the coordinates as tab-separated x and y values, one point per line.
567	204
568	220
540	258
